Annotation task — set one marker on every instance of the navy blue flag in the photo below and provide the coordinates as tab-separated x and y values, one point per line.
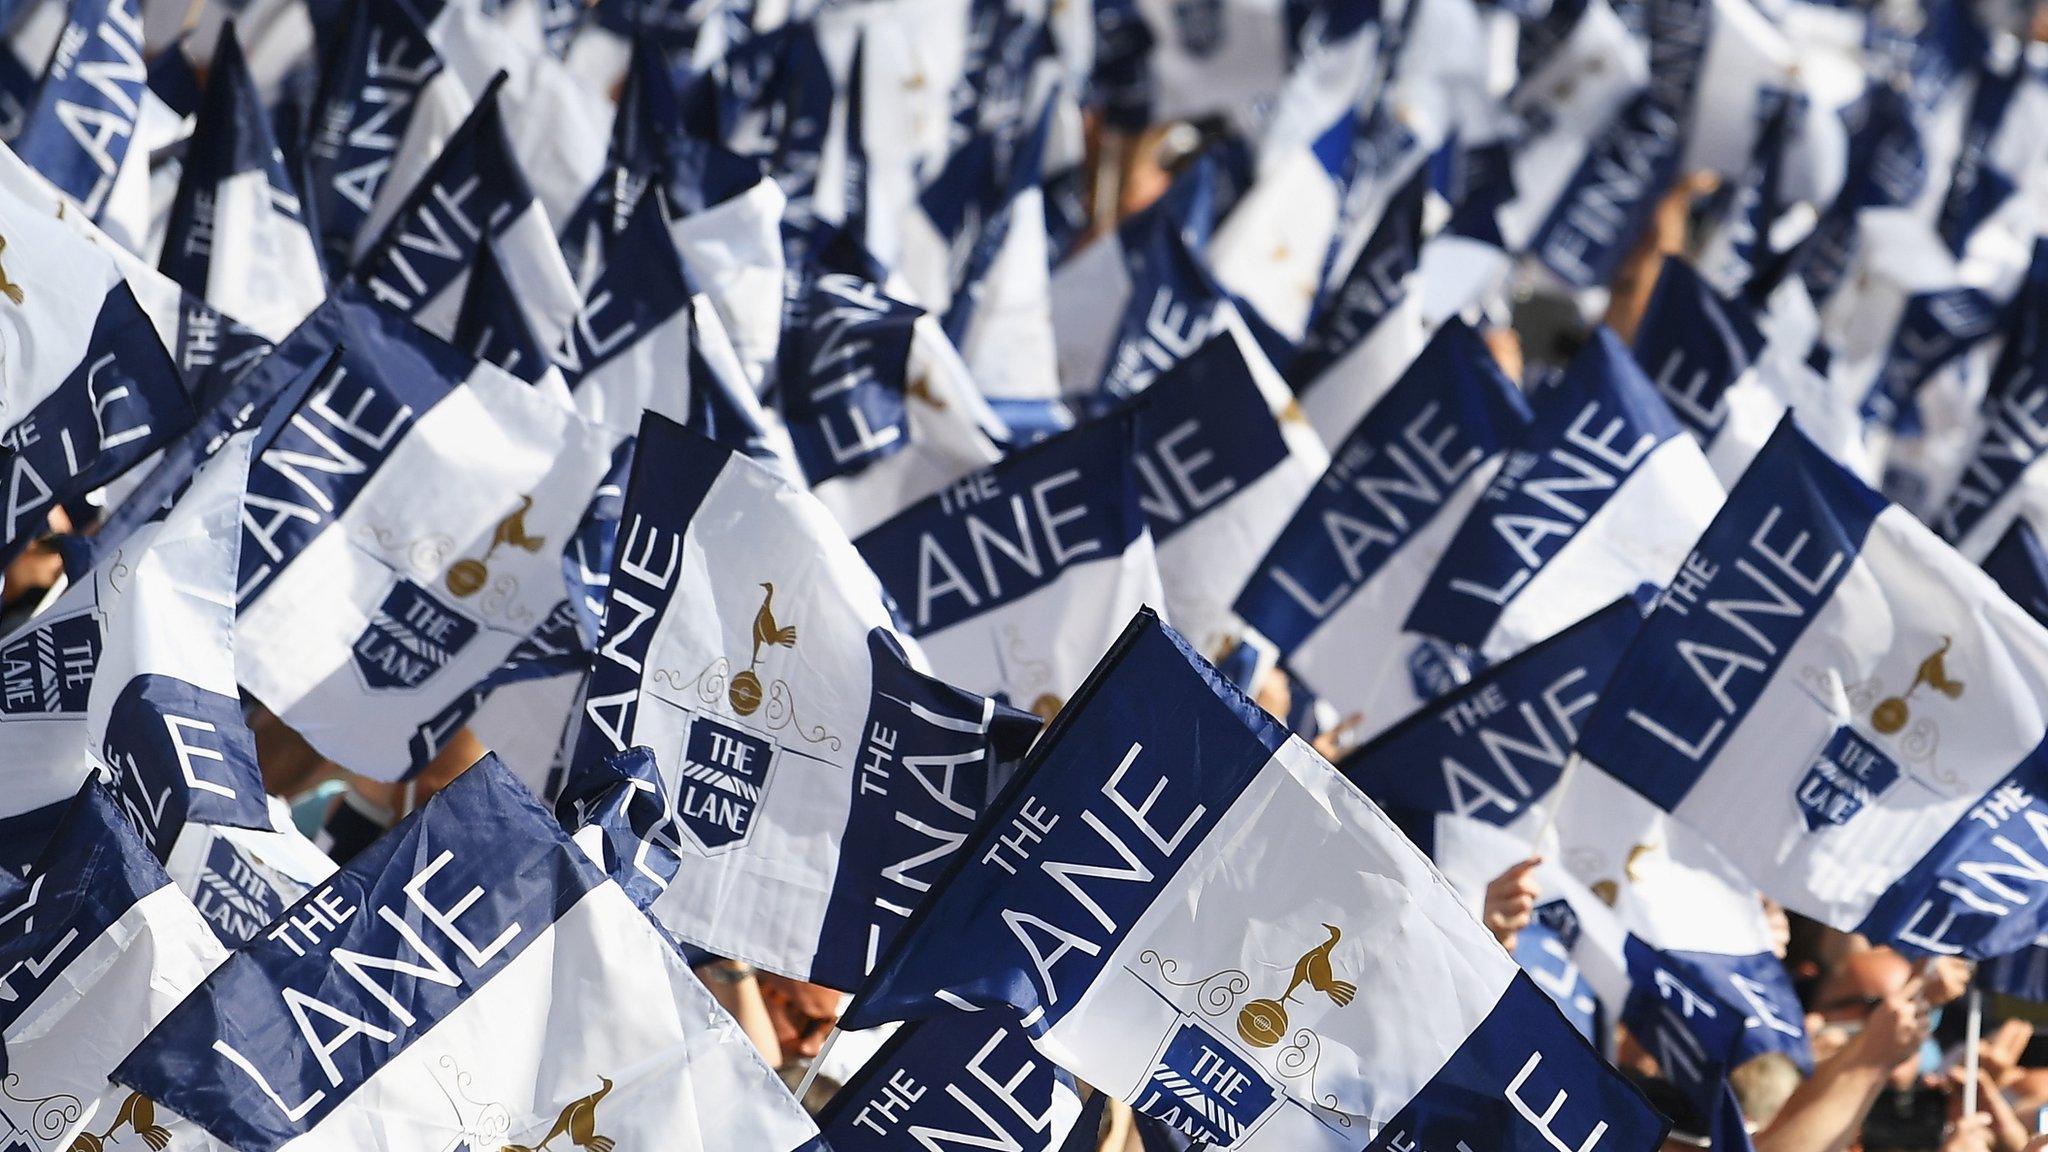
1376	284
491	325
2019	562
1694	345
2001	481
78	132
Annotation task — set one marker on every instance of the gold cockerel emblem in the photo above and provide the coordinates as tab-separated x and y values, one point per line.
467	576
1891	713
8	287
578	1121
138	1112
745	693
1262	1023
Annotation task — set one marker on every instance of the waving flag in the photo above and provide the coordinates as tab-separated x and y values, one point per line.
78	133
474	188
882	769
236	236
1223	457
1603	494
90	389
98	948
1823	648
1272	251
1332	591
952	1081
489	906
1255	1006
2019	564
492	325
364	608
1013	578
2001	482
373	82
1370	329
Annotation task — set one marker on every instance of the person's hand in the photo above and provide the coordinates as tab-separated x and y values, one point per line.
1896	1027
1999	1053
2008	1133
1970	1134
1948	977
1510	901
802	1013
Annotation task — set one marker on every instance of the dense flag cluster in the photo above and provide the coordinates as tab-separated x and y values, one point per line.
1091	539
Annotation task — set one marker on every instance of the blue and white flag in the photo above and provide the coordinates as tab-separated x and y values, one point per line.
1223	457
2019	563
2003	480
1188	908
1603	494
89	389
475	188
1332	592
953	1081
237	237
1371	328
1015	579
1847	708
810	794
882	411
404	531
369	89
445	989
733	250
84	119
1273	249
98	947
492	325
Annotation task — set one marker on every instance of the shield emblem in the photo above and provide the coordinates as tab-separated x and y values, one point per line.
1203	1087
724	774
1435	667
410	636
1849	773
49	671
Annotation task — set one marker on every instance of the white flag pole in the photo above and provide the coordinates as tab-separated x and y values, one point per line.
1973	1029
803	1088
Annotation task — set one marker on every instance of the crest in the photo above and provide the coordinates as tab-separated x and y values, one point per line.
411	635
575	1125
1435	667
48	672
236	898
30	1123
1848	773
1200	25
1204	1088
724	773
468	575
137	1114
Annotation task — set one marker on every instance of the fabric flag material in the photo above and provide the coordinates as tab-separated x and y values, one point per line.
438	990
814	778
1847	708
1604	493
2019	563
949	1082
364	609
98	947
89	390
1332	591
1223	456
2003	478
1185	906
237	237
475	188
85	115
1014	578
492	326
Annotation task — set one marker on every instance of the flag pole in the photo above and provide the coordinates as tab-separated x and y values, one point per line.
803	1088
1549	824
1973	1030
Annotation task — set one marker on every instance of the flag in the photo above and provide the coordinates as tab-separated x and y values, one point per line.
2000	480
1331	592
98	947
951	1081
474	188
1223	457
403	532
1847	708
2019	564
372	84
1272	251
810	793
582	1017
492	325
1603	494
733	250
1370	328
237	237
90	390
1014	577
1192	911
78	132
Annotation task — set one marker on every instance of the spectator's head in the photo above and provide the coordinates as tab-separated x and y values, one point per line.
1854	988
1762	1084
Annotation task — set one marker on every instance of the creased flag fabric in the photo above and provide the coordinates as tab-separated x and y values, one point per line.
1332	591
1846	707
953	1080
1014	578
1603	494
452	966
813	779
1191	910
78	133
98	947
